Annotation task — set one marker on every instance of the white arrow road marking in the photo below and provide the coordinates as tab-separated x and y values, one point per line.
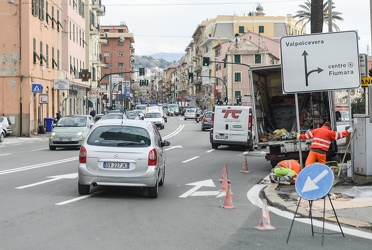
310	185
169	148
191	159
53	178
205	193
199	184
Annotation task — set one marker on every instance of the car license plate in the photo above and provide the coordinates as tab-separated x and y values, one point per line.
221	137
64	139
120	165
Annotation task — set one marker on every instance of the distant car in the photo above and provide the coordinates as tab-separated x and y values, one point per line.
122	153
206	120
115	115
70	131
134	115
156	118
190	113
5	125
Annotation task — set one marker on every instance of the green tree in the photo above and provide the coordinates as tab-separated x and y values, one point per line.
321	9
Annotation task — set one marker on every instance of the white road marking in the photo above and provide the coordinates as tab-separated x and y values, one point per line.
41	165
53	178
40	149
191	159
169	148
211	150
6	154
253	197
78	198
179	129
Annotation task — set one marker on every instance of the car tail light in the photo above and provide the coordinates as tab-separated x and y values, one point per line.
82	155
212	120
152	158
204	119
249	122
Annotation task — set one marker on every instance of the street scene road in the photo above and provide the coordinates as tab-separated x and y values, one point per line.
42	209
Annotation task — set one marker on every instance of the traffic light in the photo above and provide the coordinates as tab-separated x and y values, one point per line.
84	75
206	61
191	77
225	100
171	95
141	71
239	100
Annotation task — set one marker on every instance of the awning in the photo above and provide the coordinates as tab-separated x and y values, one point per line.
90	104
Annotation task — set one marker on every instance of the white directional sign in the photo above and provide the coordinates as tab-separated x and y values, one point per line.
319	62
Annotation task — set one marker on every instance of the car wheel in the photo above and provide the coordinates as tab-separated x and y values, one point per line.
203	129
162	127
1	137
52	148
153	191
184	118
83	189
161	182
214	145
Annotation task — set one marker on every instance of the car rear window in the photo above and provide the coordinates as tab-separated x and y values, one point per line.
208	115
119	136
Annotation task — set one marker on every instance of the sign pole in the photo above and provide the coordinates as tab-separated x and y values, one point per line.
298	129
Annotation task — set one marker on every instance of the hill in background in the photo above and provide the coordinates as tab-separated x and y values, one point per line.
159	60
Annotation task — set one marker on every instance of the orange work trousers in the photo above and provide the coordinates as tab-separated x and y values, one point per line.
315	157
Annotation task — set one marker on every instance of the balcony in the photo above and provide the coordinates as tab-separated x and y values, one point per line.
101	11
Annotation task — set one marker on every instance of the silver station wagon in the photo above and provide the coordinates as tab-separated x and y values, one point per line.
122	153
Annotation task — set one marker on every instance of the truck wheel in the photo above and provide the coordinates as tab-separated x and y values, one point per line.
214	145
250	148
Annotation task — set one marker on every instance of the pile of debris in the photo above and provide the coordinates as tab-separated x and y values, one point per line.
277	135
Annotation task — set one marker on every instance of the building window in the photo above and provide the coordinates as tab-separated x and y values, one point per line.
106	54
120	31
237	77
120	43
238	94
120	53
121	65
237	58
106	30
257	58
261	29
106	43
47	54
241	29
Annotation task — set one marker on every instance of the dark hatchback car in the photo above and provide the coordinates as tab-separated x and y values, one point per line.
207	120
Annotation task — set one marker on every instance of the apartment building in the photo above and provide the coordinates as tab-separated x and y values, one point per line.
44	48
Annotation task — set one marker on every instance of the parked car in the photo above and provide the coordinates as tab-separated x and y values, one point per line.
156	118
5	125
190	113
206	120
2	135
122	153
70	131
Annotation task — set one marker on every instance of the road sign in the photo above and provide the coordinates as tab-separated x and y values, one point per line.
314	181
36	88
363	62
319	62
366	81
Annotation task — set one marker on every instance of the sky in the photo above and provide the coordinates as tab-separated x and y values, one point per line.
168	25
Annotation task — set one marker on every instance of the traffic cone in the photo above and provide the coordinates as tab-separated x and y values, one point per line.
245	166
265	223
228	198
224	173
224	184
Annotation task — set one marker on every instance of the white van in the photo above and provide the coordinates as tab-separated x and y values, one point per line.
159	109
232	125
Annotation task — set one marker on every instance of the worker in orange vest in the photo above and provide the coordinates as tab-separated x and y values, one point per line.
285	172
322	139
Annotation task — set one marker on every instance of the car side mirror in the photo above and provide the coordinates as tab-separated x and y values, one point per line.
165	143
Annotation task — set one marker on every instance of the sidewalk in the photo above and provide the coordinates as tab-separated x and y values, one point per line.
352	203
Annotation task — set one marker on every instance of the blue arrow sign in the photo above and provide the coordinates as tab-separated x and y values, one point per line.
36	88
314	181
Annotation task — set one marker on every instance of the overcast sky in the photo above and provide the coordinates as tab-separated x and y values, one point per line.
168	25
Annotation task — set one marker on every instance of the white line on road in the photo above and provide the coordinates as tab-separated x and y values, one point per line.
211	150
179	129
35	184
40	149
5	154
191	159
253	197
77	199
41	165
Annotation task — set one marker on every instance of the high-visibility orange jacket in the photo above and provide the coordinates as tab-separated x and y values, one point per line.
322	137
291	164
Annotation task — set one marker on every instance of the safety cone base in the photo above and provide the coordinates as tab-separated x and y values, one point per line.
244	171
262	228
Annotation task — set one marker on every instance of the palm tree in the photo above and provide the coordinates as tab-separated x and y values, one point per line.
305	15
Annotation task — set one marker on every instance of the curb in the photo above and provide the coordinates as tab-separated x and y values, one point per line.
274	200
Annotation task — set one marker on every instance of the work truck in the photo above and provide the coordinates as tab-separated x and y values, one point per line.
275	118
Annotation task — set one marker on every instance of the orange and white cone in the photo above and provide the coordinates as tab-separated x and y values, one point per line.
224	184
245	165
265	223
228	198
224	173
